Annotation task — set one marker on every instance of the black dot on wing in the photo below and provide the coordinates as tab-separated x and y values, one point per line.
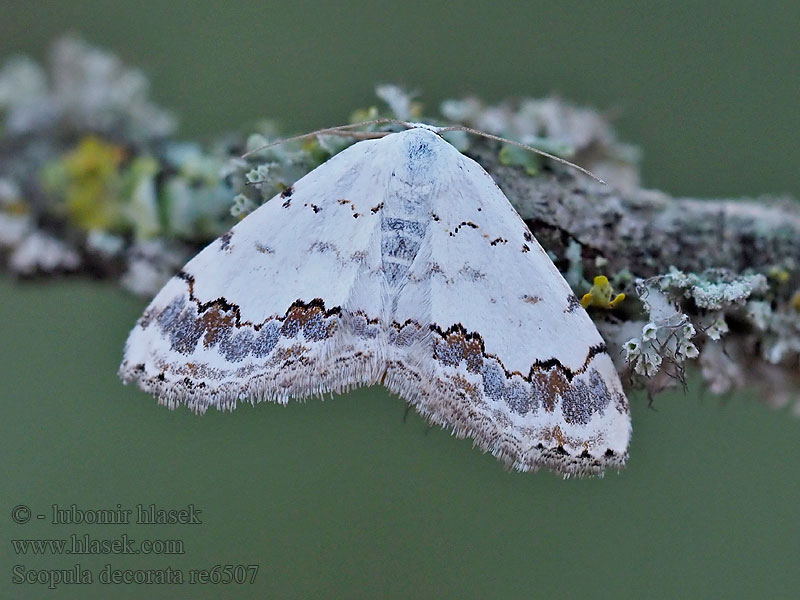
225	240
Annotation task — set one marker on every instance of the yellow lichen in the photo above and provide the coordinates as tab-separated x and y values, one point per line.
364	114
601	294
779	274
91	179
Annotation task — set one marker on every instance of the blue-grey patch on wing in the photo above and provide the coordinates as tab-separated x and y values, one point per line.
406	226
404	336
519	397
315	328
400	243
400	247
601	396
237	344
181	325
450	355
395	272
581	400
362	328
267	339
171	312
420	153
576	403
291	327
517	394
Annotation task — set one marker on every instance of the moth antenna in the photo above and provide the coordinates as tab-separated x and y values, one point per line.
367	135
521	145
338	130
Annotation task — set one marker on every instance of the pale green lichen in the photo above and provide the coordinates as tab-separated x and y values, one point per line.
667	340
242	206
715	326
22	82
15	217
139	190
574	272
86	89
759	313
195	199
713	289
265	172
679	305
401	102
41	252
106	245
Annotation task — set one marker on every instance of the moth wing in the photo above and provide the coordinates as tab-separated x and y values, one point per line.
512	360
273	308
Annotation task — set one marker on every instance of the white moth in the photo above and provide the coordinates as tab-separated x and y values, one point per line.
397	262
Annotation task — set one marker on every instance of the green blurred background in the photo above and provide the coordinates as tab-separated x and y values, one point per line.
342	499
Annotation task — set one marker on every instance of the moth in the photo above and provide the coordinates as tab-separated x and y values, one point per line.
398	262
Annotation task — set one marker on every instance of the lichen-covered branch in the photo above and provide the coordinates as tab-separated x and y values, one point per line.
92	179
